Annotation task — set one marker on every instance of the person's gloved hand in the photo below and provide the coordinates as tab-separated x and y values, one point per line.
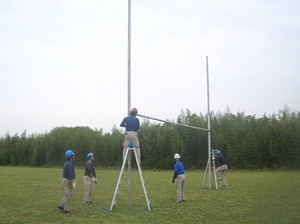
173	181
94	180
74	185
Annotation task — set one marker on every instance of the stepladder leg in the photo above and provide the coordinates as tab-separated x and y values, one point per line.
207	166
114	200
215	175
142	181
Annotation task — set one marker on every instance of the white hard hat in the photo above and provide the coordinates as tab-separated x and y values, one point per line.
176	156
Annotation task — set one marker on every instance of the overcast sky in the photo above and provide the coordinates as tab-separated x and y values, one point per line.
64	62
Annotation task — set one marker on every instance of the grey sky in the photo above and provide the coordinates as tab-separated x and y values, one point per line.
64	63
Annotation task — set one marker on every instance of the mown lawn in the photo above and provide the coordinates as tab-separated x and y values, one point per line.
31	195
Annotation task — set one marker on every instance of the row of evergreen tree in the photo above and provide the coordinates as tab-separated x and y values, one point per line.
246	141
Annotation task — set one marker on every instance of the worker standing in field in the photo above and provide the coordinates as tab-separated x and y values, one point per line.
68	181
179	175
132	125
222	169
89	178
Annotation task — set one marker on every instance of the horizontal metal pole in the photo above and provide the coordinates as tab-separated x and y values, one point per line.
169	122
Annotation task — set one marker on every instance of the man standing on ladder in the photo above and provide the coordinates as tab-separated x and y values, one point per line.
221	170
131	124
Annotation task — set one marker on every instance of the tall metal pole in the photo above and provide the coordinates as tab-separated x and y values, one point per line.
129	58
208	124
129	98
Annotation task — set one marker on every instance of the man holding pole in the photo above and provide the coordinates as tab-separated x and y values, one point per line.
222	169
131	124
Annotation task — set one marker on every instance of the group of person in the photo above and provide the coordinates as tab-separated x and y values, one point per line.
179	173
131	124
69	181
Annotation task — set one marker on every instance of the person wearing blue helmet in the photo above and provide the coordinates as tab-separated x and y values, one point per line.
68	182
89	178
222	169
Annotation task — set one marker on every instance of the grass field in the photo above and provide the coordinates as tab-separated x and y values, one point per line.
31	195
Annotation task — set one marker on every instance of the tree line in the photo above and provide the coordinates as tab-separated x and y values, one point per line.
247	142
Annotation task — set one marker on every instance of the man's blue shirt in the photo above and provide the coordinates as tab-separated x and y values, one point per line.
68	170
179	168
131	123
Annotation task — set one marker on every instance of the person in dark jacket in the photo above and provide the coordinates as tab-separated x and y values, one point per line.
68	181
89	178
222	169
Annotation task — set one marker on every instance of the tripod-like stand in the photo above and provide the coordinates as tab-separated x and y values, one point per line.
127	157
211	168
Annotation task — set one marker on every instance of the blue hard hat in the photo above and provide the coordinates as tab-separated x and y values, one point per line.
90	155
218	152
69	153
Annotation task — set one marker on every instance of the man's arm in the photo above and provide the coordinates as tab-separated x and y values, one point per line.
174	177
123	123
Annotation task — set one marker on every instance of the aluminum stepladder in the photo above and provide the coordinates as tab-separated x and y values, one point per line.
211	168
127	157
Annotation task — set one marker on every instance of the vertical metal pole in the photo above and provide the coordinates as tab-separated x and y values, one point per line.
129	98
208	124
129	57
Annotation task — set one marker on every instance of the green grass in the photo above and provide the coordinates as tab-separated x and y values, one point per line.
31	195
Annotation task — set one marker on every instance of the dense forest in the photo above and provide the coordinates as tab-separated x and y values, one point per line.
247	142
